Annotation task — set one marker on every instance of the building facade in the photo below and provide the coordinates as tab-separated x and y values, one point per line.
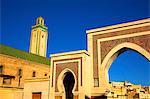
14	70
90	68
79	74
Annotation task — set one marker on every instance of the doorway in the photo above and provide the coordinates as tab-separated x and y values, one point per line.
68	85
36	95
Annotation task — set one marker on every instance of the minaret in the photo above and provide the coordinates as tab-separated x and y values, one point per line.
38	40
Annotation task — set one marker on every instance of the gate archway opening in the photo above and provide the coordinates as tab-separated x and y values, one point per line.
130	66
114	53
68	82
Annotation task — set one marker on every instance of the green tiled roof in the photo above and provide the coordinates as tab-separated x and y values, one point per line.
6	50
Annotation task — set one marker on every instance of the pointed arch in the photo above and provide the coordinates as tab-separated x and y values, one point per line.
61	77
113	54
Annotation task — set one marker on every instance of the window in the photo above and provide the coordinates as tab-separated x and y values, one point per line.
42	36
112	92
45	75
33	74
43	30
6	80
1	69
20	72
41	22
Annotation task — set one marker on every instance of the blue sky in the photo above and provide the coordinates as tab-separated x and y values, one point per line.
67	21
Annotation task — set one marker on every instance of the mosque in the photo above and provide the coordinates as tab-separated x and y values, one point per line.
81	74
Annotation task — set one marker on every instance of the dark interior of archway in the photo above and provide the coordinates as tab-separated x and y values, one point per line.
69	84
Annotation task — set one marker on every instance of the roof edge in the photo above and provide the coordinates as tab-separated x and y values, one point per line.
70	53
117	26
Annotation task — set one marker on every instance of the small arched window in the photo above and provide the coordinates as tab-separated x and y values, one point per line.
33	74
1	68
42	36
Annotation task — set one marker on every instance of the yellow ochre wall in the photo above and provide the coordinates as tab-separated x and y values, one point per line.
10	93
11	66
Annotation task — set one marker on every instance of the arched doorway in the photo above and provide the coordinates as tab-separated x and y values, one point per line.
69	82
